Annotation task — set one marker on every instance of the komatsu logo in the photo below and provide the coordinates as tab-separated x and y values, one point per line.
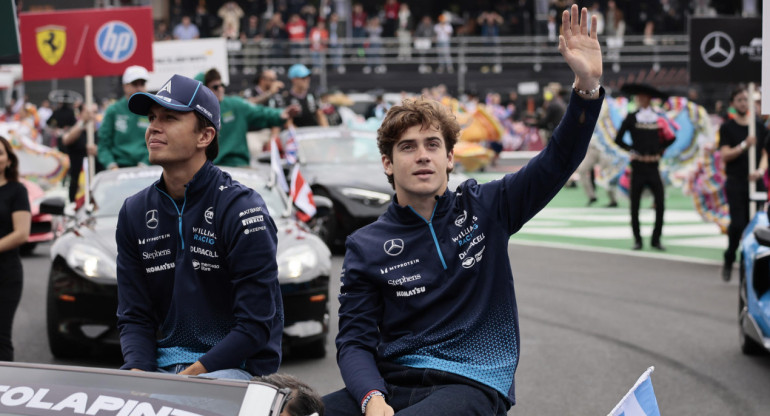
406	293
161	267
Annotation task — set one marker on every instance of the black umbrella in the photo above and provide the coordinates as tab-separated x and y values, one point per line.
646	89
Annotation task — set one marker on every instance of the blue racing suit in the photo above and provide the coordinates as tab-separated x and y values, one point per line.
438	292
198	278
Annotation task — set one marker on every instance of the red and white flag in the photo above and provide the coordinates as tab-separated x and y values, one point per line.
301	195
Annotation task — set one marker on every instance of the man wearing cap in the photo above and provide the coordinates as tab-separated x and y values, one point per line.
299	94
197	276
238	117
121	135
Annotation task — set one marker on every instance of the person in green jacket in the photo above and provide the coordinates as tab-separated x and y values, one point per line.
238	117
121	135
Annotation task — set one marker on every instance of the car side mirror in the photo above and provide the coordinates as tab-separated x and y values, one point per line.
323	205
53	206
762	234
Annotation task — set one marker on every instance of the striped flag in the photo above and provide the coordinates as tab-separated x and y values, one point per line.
302	196
640	400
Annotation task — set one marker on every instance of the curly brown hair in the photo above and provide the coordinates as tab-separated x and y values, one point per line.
412	112
12	170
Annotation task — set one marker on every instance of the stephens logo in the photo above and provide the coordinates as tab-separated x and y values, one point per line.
209	215
152	255
151	219
394	247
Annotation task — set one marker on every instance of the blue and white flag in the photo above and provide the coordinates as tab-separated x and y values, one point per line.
276	169
290	149
640	400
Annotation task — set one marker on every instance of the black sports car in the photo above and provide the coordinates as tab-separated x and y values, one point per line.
345	166
82	288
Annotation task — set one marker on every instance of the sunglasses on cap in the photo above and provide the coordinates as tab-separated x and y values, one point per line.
139	83
217	86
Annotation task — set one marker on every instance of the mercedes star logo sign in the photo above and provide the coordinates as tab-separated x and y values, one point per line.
394	247
717	49
151	219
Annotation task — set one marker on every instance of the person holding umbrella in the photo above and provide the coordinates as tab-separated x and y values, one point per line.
649	139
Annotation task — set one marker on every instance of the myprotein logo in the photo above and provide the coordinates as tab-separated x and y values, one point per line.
152	255
115	41
209	215
250	211
151	219
388	269
394	247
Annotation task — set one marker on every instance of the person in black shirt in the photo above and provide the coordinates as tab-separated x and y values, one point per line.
646	148
75	143
299	94
15	220
734	141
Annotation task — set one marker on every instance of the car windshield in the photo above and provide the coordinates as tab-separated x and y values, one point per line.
110	191
357	148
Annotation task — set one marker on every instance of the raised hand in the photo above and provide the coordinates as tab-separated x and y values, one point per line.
580	49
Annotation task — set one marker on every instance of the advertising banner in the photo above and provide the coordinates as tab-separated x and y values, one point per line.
76	43
726	49
188	58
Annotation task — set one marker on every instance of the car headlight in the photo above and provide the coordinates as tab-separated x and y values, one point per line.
366	196
297	264
91	262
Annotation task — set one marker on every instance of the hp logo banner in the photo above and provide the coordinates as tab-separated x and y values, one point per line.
115	41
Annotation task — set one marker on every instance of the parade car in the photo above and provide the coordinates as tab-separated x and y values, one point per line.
754	293
82	287
55	390
345	166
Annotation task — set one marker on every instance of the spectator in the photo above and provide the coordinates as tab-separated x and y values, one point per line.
186	30
310	113
423	36
275	31
176	13
231	15
44	113
390	11
75	143
329	109
594	10
359	22
520	19
62	118
309	14
252	32
490	22
404	33
121	134
336	33
162	32
296	29
443	30
374	51
319	41
238	117
205	21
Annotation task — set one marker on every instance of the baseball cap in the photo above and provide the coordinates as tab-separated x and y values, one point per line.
298	71
179	94
135	72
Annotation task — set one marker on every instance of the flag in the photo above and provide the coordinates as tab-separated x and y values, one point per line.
275	167
640	400
290	150
301	195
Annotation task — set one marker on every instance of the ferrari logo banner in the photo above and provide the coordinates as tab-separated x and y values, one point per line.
51	41
76	43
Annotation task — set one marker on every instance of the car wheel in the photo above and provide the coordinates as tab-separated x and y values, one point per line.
60	346
748	345
315	349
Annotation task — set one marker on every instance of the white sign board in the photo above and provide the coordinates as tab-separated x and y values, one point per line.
188	58
765	60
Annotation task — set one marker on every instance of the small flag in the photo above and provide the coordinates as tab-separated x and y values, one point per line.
290	150
640	400
301	195
276	170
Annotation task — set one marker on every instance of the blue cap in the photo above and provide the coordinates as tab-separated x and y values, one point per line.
179	94
298	71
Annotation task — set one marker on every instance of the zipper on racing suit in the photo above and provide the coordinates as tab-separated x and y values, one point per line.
432	232
179	213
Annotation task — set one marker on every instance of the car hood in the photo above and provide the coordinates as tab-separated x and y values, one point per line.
101	234
357	175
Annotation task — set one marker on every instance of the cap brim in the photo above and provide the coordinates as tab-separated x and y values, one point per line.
140	103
